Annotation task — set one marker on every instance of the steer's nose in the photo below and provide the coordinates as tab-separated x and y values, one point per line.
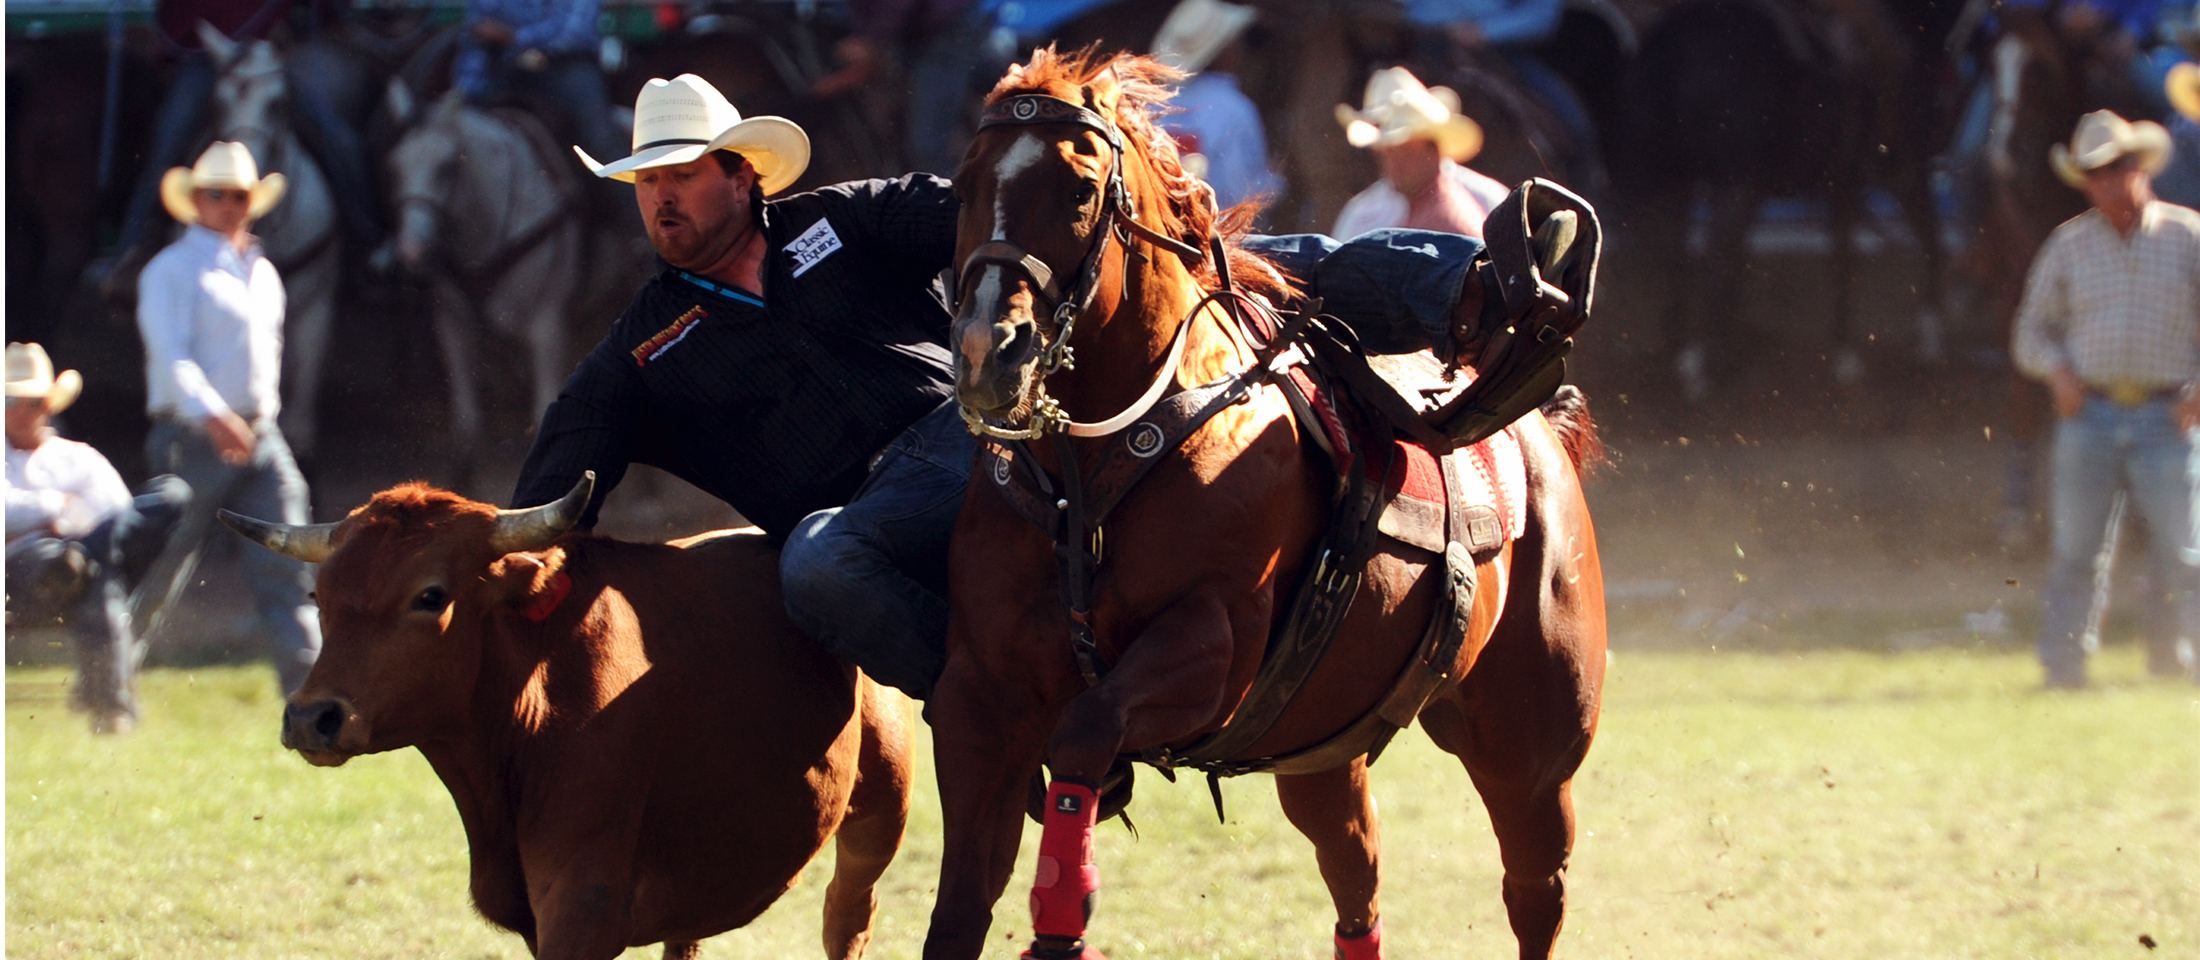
313	726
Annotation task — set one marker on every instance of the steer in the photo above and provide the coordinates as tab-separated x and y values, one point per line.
641	746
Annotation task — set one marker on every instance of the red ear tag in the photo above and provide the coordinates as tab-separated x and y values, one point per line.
545	605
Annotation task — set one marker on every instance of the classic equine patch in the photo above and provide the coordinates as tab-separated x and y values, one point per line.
663	340
815	244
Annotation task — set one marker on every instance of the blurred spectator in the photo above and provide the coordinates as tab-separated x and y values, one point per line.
948	61
1422	140
210	310
541	55
1219	124
184	26
77	541
2180	183
2111	321
1509	30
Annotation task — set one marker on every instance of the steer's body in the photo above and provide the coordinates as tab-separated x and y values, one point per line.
642	748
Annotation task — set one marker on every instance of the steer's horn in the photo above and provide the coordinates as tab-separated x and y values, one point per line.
307	542
519	531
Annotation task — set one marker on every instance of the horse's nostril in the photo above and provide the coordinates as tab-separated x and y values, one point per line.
329	723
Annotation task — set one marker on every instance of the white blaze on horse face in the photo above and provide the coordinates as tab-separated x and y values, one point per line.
1020	156
2009	62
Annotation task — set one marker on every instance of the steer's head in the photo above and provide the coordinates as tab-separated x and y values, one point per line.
408	584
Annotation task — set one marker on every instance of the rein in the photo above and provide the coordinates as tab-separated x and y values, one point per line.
1117	213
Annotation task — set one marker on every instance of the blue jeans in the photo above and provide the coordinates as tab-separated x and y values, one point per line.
91	594
869	580
267	487
2140	452
1395	288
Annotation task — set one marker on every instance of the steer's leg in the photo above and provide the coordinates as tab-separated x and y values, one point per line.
1168	685
871	832
1334	810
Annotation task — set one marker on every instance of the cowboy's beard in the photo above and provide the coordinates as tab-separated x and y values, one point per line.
696	236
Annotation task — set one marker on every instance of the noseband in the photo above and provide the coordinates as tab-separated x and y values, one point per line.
1116	212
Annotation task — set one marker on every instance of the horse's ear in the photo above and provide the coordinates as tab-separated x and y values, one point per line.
1103	92
398	99
217	43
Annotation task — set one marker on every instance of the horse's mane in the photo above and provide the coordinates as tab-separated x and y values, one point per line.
1144	94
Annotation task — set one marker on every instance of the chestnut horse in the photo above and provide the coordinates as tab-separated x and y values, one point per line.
1200	556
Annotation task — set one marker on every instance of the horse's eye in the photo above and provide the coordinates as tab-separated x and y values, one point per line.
1086	191
431	600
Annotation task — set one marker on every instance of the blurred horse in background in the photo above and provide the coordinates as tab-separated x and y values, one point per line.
489	219
2042	80
1734	102
301	235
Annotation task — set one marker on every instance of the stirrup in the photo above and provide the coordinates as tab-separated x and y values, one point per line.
1543	245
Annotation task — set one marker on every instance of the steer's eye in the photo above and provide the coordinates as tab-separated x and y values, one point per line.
432	600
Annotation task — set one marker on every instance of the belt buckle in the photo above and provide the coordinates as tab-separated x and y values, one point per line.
2127	393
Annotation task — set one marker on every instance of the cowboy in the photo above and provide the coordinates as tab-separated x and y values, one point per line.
948	54
2111	321
1513	32
541	54
78	542
1216	122
210	310
1424	143
791	359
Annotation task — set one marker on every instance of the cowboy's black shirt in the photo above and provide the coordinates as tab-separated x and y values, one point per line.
774	404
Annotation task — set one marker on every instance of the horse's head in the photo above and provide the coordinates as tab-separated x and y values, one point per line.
249	93
421	169
1066	158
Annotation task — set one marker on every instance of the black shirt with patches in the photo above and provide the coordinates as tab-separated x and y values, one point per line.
776	403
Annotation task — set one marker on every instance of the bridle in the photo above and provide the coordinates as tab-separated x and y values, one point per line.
1116	213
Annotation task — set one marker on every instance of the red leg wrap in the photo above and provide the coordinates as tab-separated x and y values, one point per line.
1061	894
1366	946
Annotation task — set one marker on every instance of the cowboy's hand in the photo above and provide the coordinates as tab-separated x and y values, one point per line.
2187	409
2068	390
232	437
859	59
493	32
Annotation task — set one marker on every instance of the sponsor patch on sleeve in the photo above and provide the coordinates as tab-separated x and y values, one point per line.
665	339
814	245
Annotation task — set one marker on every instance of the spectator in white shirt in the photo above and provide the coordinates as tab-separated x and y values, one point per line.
1423	141
210	309
77	541
2111	321
1218	127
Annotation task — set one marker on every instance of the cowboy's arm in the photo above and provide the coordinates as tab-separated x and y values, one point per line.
910	219
32	511
167	298
2043	316
591	426
1397	289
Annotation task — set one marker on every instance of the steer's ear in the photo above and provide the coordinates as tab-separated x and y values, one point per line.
533	585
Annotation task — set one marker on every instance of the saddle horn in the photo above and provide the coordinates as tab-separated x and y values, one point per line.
533	528
308	542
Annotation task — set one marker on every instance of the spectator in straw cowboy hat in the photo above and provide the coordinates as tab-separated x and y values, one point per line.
2111	321
210	310
790	358
78	542
1218	123
1423	141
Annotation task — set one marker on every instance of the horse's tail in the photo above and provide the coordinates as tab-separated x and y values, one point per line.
1568	413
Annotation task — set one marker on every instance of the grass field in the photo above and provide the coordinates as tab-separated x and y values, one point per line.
1840	805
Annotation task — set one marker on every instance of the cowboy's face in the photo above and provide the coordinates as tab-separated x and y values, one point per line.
222	209
2117	188
27	418
694	211
1413	165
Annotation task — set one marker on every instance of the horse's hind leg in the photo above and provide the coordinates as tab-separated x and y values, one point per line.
309	326
1334	810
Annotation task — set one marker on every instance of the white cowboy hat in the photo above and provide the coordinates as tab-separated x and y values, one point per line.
681	119
1197	30
226	165
30	374
1399	108
2183	88
2102	139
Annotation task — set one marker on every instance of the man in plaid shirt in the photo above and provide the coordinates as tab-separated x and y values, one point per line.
2111	321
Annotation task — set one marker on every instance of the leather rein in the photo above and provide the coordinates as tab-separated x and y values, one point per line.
1116	213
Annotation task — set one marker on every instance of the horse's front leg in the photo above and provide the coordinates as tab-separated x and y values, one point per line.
1168	686
986	749
1335	811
